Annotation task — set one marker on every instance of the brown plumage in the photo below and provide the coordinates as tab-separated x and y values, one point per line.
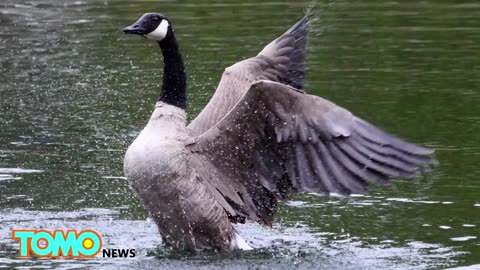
260	139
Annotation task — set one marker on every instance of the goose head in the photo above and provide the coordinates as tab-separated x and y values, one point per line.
153	26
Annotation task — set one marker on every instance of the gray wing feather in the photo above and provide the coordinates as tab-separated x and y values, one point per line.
281	61
276	141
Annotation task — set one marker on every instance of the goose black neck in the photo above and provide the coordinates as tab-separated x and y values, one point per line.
174	78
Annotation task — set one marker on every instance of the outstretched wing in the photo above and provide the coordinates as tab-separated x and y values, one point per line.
278	140
281	61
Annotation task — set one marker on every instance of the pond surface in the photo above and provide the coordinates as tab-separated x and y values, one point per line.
74	92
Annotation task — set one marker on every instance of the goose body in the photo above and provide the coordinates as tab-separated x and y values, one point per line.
260	139
161	171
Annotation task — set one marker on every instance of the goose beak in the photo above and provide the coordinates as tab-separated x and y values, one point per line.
135	29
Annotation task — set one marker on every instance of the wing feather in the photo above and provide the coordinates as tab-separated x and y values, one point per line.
281	61
277	140
344	177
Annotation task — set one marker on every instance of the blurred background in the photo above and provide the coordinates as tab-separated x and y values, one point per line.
74	92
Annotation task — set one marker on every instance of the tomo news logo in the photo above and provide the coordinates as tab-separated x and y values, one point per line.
64	244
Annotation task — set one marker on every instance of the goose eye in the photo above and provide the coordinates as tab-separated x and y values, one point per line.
156	18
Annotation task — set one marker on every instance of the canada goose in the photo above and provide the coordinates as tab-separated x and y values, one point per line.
260	139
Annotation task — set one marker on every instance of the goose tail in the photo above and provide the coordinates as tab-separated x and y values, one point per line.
239	243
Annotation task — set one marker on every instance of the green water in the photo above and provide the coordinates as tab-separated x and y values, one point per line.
74	92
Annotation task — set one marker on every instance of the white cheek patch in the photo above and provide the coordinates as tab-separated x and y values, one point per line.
160	32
